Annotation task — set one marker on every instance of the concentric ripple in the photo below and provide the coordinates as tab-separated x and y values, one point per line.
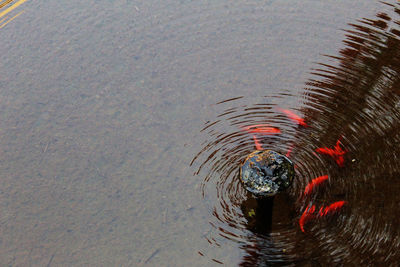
353	103
221	157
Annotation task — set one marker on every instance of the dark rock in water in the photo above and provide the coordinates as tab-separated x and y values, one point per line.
265	173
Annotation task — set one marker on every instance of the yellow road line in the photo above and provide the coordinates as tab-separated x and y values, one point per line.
6	2
5	23
3	19
11	8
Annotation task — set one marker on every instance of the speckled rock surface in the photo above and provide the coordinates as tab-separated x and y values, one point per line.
265	173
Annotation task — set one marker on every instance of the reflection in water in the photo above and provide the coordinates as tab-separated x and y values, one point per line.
356	100
7	7
261	226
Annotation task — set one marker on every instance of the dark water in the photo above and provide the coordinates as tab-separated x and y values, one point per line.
354	98
103	160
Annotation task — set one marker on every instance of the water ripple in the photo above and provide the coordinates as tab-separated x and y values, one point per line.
356	100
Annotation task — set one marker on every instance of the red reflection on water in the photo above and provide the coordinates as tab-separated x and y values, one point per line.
294	117
257	143
289	151
315	182
336	153
308	214
264	129
331	208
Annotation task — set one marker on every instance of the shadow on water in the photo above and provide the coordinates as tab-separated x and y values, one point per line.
354	99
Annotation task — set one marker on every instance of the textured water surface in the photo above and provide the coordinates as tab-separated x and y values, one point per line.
121	131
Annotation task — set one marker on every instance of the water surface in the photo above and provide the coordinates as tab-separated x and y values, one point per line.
102	105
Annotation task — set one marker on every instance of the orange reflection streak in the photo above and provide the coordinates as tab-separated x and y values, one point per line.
262	129
289	151
257	143
334	207
336	153
315	182
294	117
308	214
11	8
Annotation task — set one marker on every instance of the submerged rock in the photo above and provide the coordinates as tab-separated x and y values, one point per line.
265	173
